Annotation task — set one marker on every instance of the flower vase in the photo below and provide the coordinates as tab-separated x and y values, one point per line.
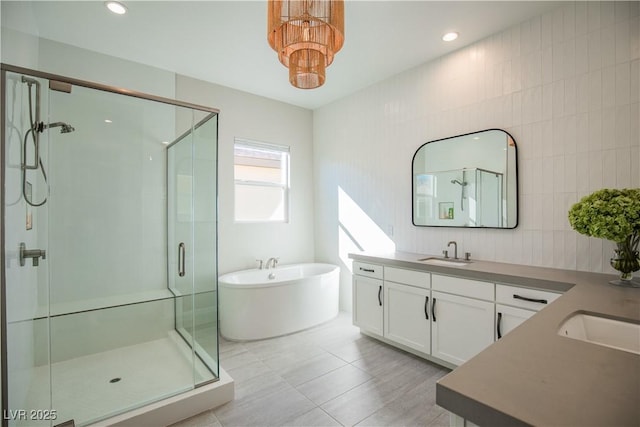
627	261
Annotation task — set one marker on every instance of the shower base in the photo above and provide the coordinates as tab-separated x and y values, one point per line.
90	388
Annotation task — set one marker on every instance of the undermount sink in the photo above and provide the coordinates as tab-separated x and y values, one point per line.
618	334
444	261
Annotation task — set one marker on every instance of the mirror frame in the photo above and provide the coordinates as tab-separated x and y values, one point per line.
517	183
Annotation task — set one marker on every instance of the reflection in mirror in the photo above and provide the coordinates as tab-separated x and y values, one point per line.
467	181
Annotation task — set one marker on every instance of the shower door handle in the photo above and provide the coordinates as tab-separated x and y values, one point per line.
181	258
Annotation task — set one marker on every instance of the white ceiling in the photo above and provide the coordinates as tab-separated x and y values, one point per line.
224	42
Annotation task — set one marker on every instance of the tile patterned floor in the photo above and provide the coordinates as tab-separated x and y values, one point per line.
330	375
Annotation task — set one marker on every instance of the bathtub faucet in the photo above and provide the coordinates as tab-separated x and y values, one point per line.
272	263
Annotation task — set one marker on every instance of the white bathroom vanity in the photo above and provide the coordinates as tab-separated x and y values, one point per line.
498	326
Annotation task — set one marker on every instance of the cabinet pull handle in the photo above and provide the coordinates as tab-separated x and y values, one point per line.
368	270
181	255
541	301
379	295
433	310
498	325
426	309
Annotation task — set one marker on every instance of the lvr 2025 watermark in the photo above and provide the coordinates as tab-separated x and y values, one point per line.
30	414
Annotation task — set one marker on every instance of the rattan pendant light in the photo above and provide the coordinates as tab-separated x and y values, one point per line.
306	34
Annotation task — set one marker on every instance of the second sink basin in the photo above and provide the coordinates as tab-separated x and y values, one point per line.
602	331
444	261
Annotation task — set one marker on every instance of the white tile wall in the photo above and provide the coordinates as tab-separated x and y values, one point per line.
565	84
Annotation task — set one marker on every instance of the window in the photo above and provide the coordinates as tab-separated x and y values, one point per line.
261	174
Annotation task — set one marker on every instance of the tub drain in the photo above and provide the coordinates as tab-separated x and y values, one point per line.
114	380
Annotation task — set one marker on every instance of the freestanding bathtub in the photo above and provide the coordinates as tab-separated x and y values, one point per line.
257	304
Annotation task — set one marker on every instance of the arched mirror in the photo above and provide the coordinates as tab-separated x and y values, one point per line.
467	181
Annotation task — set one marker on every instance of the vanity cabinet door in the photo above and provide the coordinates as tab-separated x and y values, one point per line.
367	304
461	327
406	318
508	318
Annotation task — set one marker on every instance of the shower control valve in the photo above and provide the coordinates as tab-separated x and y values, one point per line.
34	254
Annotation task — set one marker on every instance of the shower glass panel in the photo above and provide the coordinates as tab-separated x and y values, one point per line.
489	195
111	315
25	289
192	220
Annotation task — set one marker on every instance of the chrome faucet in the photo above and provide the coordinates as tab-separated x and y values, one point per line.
271	263
34	254
455	248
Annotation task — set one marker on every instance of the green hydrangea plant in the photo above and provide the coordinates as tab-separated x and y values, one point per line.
608	214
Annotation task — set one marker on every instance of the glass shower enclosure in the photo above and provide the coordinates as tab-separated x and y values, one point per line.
109	249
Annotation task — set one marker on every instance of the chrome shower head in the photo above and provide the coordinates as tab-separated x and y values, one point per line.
455	181
67	128
64	127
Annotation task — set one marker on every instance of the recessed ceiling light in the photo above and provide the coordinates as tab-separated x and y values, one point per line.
108	121
116	7
450	37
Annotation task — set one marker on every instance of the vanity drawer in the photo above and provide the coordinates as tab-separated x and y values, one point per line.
420	279
466	287
368	270
532	299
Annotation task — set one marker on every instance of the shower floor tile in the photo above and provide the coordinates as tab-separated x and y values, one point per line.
92	387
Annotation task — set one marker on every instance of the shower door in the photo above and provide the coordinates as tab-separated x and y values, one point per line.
192	221
103	322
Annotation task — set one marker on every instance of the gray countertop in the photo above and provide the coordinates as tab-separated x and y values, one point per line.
533	376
